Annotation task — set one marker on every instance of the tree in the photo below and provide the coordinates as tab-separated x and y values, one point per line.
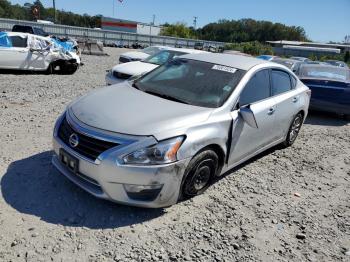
177	30
246	30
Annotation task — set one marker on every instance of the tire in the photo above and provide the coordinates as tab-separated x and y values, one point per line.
69	69
346	117
50	69
199	174
293	130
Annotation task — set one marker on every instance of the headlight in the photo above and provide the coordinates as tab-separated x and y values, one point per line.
162	153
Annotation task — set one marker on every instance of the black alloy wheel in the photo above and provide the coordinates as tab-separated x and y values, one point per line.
199	174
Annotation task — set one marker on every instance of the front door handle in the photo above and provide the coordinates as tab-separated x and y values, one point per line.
271	111
295	99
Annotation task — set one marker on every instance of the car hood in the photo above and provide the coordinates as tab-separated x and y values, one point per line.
134	68
124	109
135	55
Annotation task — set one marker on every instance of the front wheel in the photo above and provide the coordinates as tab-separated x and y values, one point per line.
294	129
199	174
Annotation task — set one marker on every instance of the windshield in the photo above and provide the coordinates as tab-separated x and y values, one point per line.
151	50
40	31
192	82
162	57
325	72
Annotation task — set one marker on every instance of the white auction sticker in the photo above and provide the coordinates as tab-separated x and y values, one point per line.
225	68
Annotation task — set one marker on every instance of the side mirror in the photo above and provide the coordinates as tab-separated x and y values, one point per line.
248	116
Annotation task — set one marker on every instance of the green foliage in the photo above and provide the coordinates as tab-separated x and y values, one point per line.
248	30
254	48
338	57
177	30
313	57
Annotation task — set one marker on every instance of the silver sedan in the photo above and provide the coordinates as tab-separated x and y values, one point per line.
167	135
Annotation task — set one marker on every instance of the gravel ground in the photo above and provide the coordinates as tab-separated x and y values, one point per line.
284	205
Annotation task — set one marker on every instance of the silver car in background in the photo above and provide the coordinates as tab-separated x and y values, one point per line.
167	135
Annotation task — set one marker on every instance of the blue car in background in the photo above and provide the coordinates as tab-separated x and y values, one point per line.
330	87
266	57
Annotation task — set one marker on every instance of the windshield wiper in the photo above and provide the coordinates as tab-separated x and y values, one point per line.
144	61
166	97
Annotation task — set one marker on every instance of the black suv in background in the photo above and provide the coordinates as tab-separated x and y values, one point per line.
29	29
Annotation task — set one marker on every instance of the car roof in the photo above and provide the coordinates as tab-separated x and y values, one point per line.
284	59
183	50
231	60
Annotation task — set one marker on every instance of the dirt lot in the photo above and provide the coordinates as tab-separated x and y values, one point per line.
285	205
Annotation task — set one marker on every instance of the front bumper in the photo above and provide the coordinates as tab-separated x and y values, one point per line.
111	80
106	178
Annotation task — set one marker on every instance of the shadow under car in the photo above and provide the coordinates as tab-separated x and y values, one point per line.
33	186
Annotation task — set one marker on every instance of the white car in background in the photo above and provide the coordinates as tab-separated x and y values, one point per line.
23	51
140	55
122	72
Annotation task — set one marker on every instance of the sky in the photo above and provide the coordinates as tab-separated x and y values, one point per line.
323	20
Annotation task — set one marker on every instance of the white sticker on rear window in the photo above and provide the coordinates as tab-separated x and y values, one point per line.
224	68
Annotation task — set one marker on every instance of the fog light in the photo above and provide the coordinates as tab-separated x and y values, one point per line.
143	192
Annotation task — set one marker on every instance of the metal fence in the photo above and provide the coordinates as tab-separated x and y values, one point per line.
106	36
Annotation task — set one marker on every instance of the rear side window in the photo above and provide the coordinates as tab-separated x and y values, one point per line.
281	82
258	88
18	41
22	29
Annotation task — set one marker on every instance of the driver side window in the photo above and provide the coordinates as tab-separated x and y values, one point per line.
258	88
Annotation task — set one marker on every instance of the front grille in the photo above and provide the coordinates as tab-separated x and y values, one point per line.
121	75
123	59
87	146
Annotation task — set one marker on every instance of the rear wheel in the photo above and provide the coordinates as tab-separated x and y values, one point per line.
294	129
199	174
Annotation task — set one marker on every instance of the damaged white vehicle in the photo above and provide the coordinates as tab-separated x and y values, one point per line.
22	51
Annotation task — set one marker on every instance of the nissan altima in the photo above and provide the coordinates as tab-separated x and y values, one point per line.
167	135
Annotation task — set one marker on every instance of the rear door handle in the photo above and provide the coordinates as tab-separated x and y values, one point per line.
271	111
295	99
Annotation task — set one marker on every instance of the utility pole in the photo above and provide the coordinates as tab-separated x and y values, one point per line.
195	22
150	29
54	10
113	7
